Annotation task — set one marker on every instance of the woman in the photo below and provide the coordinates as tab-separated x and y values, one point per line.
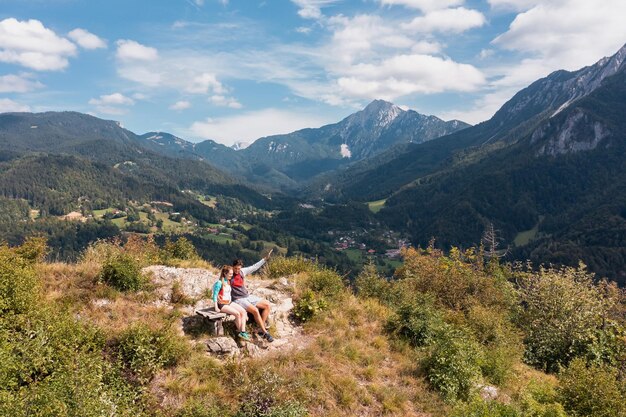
222	301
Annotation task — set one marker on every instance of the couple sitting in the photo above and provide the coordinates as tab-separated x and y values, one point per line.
231	296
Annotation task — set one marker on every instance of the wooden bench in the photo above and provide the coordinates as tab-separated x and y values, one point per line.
215	320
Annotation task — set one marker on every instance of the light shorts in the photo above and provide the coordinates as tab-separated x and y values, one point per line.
248	301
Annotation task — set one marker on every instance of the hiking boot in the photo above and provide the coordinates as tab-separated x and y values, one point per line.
244	335
268	337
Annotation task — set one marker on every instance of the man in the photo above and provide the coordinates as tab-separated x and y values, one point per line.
251	303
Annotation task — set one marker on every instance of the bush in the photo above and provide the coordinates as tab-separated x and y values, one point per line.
280	266
370	284
457	282
308	305
182	248
19	287
50	364
122	272
145	351
418	321
609	344
592	391
326	283
480	408
34	249
501	341
562	312
541	400
453	367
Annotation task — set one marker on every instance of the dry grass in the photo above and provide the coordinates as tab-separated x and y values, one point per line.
349	369
75	287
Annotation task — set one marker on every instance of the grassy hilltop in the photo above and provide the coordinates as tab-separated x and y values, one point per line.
455	335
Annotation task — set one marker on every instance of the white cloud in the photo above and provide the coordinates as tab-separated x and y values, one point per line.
426	47
205	83
483	108
8	105
583	33
486	53
129	50
224	101
407	74
363	37
86	39
252	125
358	58
30	44
447	20
423	4
304	30
112	99
140	96
311	9
21	83
180	105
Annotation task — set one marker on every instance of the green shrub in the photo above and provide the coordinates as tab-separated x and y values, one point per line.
480	408
592	390
308	305
562	312
182	248
145	351
370	284
326	283
457	282
453	367
50	364
501	341
541	400
280	266
418	321
609	344
19	287
33	249
122	272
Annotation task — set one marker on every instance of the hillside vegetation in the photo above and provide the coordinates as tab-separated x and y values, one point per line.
453	335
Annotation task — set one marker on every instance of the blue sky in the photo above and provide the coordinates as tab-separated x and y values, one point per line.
236	70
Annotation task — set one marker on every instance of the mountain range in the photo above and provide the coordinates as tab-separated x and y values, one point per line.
289	160
547	170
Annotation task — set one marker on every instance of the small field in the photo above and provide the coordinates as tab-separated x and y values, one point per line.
208	201
355	255
375	206
524	238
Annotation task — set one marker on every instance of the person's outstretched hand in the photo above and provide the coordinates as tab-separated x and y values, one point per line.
269	254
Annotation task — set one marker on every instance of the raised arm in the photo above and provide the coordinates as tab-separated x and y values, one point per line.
253	268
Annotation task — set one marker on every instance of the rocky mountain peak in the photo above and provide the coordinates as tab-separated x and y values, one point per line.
380	112
240	145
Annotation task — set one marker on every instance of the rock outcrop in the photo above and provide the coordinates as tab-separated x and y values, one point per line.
196	284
